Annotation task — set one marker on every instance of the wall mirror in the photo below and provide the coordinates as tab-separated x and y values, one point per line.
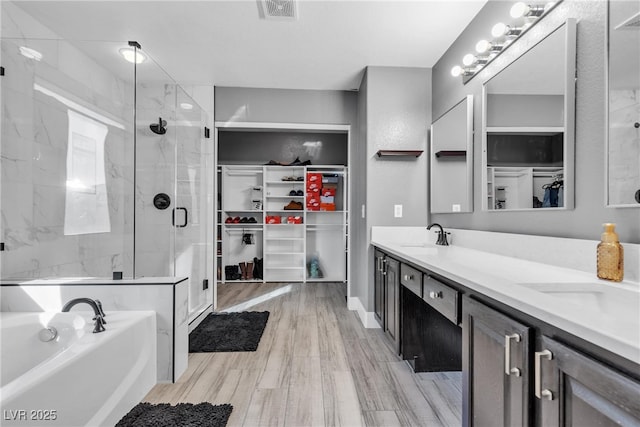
452	159
623	130
528	128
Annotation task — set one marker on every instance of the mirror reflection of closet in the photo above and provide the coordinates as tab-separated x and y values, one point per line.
452	159
528	128
623	142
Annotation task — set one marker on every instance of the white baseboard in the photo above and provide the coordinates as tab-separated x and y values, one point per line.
367	318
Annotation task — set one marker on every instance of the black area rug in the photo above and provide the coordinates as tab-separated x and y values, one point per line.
180	415
228	332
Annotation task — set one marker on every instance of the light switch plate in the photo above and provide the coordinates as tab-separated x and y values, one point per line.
397	211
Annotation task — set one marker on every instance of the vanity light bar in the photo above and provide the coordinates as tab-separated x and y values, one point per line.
503	35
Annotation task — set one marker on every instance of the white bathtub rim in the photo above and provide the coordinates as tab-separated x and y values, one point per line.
68	356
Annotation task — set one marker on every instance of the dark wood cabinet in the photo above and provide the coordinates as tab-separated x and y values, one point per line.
496	368
378	290
392	301
573	389
386	296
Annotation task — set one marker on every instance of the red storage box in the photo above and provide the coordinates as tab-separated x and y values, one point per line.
327	206
294	220
314	186
314	177
327	192
272	219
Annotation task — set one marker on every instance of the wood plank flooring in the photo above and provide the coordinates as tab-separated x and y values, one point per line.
316	365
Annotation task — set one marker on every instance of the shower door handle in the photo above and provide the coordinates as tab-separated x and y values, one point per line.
186	217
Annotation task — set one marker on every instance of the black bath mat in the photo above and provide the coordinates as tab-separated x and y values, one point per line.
228	332
180	415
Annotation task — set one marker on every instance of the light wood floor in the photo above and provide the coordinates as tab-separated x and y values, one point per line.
316	365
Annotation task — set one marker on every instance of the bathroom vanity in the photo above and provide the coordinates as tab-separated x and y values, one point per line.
540	344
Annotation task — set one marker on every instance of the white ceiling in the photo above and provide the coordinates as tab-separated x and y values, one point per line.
227	44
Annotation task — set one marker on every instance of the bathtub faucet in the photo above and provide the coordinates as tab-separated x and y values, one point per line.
97	310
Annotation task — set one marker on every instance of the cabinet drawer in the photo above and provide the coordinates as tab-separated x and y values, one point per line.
411	279
441	297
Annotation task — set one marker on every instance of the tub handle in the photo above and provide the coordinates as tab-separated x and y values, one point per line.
99	304
48	334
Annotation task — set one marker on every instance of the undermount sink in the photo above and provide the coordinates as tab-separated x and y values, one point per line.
418	249
599	298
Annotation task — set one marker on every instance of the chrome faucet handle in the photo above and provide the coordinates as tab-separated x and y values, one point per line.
98	326
99	304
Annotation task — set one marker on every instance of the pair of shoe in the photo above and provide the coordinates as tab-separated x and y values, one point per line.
292	178
296	162
246	269
296	193
238	220
294	206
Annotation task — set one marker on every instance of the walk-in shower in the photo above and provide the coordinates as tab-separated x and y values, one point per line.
88	141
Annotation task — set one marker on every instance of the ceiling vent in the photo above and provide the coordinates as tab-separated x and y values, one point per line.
632	23
279	10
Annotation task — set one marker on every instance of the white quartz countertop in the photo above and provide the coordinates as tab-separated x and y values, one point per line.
604	313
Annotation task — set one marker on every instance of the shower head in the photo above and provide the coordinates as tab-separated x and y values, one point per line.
159	128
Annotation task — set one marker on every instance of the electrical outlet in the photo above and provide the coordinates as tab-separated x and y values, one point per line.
455	208
397	211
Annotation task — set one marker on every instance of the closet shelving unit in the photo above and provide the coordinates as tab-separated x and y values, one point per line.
287	248
241	197
511	186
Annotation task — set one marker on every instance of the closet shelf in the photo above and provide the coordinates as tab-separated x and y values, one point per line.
399	153
451	153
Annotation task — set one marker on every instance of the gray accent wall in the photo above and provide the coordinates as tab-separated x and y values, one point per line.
585	221
238	104
397	113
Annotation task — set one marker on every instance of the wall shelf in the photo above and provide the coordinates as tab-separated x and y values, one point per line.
399	153
451	153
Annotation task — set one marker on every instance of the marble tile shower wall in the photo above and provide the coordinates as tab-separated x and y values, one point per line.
155	173
34	151
624	146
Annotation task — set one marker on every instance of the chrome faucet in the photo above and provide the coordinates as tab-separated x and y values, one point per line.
96	305
442	236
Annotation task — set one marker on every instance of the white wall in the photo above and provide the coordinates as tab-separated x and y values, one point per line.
589	213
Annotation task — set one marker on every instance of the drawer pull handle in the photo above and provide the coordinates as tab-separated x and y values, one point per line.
546	393
435	295
408	277
507	355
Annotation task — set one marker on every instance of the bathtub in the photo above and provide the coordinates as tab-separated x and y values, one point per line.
80	378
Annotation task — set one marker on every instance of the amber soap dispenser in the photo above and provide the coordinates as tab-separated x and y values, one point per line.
610	255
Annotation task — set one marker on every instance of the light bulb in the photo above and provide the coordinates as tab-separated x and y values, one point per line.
457	71
499	30
131	55
483	46
468	59
519	10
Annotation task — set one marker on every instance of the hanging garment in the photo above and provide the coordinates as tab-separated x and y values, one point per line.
561	197
546	200
553	197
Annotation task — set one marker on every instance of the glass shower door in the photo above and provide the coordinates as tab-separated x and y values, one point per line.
192	251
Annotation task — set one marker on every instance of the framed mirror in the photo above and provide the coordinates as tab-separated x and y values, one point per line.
451	163
622	167
528	128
